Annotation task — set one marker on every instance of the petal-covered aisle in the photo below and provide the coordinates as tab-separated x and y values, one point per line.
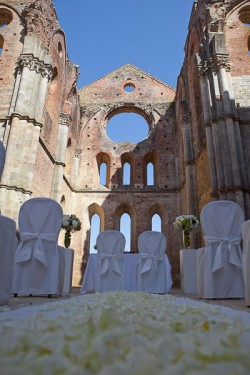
124	333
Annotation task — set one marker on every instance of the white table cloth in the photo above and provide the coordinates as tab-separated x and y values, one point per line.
8	244
188	271
131	261
246	259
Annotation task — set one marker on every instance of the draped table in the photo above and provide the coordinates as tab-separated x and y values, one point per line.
130	264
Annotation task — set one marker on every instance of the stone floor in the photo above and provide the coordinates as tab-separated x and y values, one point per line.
16	302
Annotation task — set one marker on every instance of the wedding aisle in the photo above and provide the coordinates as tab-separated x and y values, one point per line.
124	333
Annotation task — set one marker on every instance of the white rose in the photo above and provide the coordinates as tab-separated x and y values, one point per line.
74	224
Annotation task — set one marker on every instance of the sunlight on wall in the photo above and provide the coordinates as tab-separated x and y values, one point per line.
103	174
94	231
126	174
156	223
150	174
125	228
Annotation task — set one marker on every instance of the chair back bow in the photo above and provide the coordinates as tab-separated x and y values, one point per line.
115	260
151	260
31	244
232	253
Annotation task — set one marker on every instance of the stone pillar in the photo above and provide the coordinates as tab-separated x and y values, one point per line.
23	138
62	139
189	162
228	103
206	103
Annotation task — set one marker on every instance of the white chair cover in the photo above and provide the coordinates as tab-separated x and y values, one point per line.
152	274
8	244
219	263
246	259
2	158
110	275
36	269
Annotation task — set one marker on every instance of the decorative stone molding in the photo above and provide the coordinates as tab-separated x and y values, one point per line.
78	153
221	61
214	64
65	119
33	63
26	118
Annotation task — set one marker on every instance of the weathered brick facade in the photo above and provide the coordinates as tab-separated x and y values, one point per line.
55	135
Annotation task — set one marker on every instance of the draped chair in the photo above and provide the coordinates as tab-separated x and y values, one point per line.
110	276
8	244
154	270
246	259
2	158
39	264
219	263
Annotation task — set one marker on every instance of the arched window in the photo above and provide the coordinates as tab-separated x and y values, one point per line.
126	174
125	228
6	17
1	44
94	231
103	174
103	163
156	223
150	174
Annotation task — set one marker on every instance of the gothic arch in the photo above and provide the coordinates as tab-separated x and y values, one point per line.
127	158
151	157
161	211
93	209
128	209
101	158
116	110
237	33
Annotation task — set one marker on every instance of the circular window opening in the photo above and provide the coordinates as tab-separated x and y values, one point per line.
129	87
127	128
5	17
244	16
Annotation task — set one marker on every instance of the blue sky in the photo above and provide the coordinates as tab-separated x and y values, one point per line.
103	35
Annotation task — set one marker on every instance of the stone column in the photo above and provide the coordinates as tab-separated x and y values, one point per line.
62	139
206	104
23	137
188	158
228	103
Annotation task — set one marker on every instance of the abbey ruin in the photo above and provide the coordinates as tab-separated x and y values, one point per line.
55	138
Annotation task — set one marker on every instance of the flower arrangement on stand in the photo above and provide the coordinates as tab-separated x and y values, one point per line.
70	224
186	223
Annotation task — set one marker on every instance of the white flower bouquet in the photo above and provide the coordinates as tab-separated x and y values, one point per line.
186	223
70	223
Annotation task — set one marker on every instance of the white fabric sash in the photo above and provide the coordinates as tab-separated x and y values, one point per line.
231	245
115	260
151	260
31	244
